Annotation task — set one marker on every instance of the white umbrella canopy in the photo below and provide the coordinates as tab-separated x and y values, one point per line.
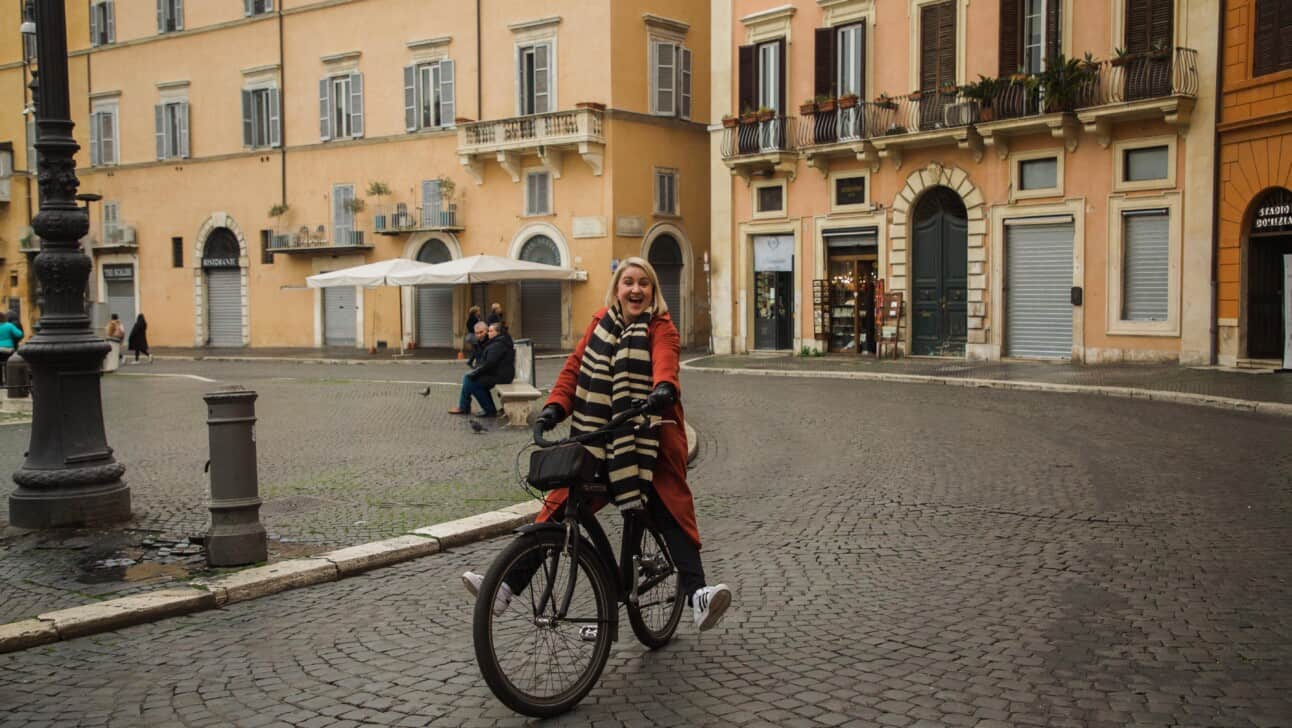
482	269
370	275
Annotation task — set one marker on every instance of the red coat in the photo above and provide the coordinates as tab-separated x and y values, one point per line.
670	467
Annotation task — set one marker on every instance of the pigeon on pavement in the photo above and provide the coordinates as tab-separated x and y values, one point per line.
476	427
425	392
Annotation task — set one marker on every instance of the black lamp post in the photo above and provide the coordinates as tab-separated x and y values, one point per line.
69	477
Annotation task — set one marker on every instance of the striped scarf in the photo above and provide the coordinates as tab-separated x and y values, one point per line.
615	370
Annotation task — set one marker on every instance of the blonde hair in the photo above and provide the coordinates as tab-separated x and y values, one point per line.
661	306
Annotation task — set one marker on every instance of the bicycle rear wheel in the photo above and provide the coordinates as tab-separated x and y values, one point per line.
658	610
534	662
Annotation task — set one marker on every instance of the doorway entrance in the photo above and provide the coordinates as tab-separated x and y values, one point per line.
853	257
223	288
1269	239
940	320
666	257
434	303
773	292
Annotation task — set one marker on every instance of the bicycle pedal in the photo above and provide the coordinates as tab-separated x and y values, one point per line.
588	633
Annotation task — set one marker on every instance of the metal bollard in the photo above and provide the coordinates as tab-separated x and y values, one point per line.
236	536
17	377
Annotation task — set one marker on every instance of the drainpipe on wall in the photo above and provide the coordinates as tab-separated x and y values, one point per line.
1215	186
479	70
282	111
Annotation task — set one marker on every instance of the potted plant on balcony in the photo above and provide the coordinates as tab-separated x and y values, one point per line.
825	104
808	107
730	121
748	116
1159	51
848	100
884	101
983	93
916	95
1120	57
765	113
354	206
379	190
950	89
1063	83
278	213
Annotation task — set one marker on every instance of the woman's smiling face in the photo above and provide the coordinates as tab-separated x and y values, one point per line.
635	291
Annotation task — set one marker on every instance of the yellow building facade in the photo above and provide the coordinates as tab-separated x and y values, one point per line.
240	147
1026	201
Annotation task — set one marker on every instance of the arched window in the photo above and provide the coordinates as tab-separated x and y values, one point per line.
434	251
541	249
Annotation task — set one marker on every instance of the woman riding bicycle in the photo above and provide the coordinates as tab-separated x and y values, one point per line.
629	353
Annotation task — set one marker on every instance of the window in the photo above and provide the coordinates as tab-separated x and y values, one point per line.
1149	163
343	214
538	193
103	136
1145	265
536	75
111	221
670	79
261	122
428	95
666	192
433	212
937	60
177	252
29	41
1272	41
6	163
762	67
1149	25
341	106
848	191
257	7
769	199
840	61
103	23
170	15
266	254
171	123
1030	34
1144	164
1038	174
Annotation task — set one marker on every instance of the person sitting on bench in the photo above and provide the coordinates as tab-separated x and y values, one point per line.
496	366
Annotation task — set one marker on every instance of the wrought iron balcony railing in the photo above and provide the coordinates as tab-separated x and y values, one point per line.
765	136
317	242
401	219
1143	76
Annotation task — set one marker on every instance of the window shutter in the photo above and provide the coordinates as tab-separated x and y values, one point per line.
947	44
1161	23
782	81
183	130
248	130
684	86
96	145
1145	260
179	14
1011	37
159	119
659	192
929	17
161	16
447	86
542	78
1265	46
94	25
410	98
530	202
824	68
544	188
748	97
110	13
108	137
248	7
356	105
325	103
1053	29
861	61
1285	35
432	201
665	78
275	119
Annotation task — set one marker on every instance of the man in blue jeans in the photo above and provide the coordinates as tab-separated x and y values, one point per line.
497	365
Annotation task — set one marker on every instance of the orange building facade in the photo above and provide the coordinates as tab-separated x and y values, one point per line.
1254	209
1034	177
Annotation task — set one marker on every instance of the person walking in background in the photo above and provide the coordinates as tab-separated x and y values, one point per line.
10	335
495	314
473	319
480	337
115	333
139	339
497	366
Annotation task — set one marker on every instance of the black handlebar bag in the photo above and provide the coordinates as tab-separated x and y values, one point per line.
559	466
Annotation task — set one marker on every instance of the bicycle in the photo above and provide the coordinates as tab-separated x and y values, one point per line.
563	633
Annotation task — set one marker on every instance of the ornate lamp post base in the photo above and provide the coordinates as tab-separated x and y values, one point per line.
70	506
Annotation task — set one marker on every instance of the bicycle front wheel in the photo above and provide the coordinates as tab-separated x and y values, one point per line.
658	610
535	662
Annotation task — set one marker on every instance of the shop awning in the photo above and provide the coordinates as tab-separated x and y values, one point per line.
370	275
485	269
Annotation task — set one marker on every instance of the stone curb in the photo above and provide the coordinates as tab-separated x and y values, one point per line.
321	360
1203	400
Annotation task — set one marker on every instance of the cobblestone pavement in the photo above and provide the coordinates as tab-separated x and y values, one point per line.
901	555
1256	385
347	455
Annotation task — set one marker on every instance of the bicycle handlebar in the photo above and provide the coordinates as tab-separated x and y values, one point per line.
615	423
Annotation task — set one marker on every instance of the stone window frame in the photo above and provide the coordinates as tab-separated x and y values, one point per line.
1118	204
770	214
1120	184
1016	191
913	29
834	176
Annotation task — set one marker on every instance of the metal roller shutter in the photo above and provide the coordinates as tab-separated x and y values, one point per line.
224	306
1038	302
670	286
435	316
540	305
121	301
1146	256
338	316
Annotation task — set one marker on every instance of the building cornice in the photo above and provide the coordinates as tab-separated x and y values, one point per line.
659	22
535	24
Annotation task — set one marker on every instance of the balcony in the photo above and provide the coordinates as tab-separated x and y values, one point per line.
766	146
548	136
117	238
837	130
304	242
921	120
1156	85
1017	108
400	220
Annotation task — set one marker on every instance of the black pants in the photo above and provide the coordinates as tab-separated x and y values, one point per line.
686	556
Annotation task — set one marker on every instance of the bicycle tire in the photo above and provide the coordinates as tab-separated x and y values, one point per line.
650	636
495	673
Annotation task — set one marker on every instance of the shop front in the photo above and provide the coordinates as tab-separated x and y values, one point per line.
773	292
852	271
1269	241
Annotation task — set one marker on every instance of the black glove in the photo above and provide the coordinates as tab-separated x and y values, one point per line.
551	415
661	398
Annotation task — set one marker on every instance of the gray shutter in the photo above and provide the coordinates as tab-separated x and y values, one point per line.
179	14
224	306
410	98
325	103
121	301
342	219
94	25
248	129
159	123
108	137
684	85
96	144
275	119
1145	261
540	313
1038	283
183	130
248	7
161	16
432	201
542	74
356	104
447	111
435	316
665	78
111	13
338	316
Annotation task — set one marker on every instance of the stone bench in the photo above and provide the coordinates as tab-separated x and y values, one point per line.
518	401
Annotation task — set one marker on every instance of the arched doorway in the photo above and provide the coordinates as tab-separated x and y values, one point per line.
434	303
223	279
939	311
540	301
1269	239
666	256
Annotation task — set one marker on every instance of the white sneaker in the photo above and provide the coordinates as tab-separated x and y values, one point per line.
472	582
709	604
